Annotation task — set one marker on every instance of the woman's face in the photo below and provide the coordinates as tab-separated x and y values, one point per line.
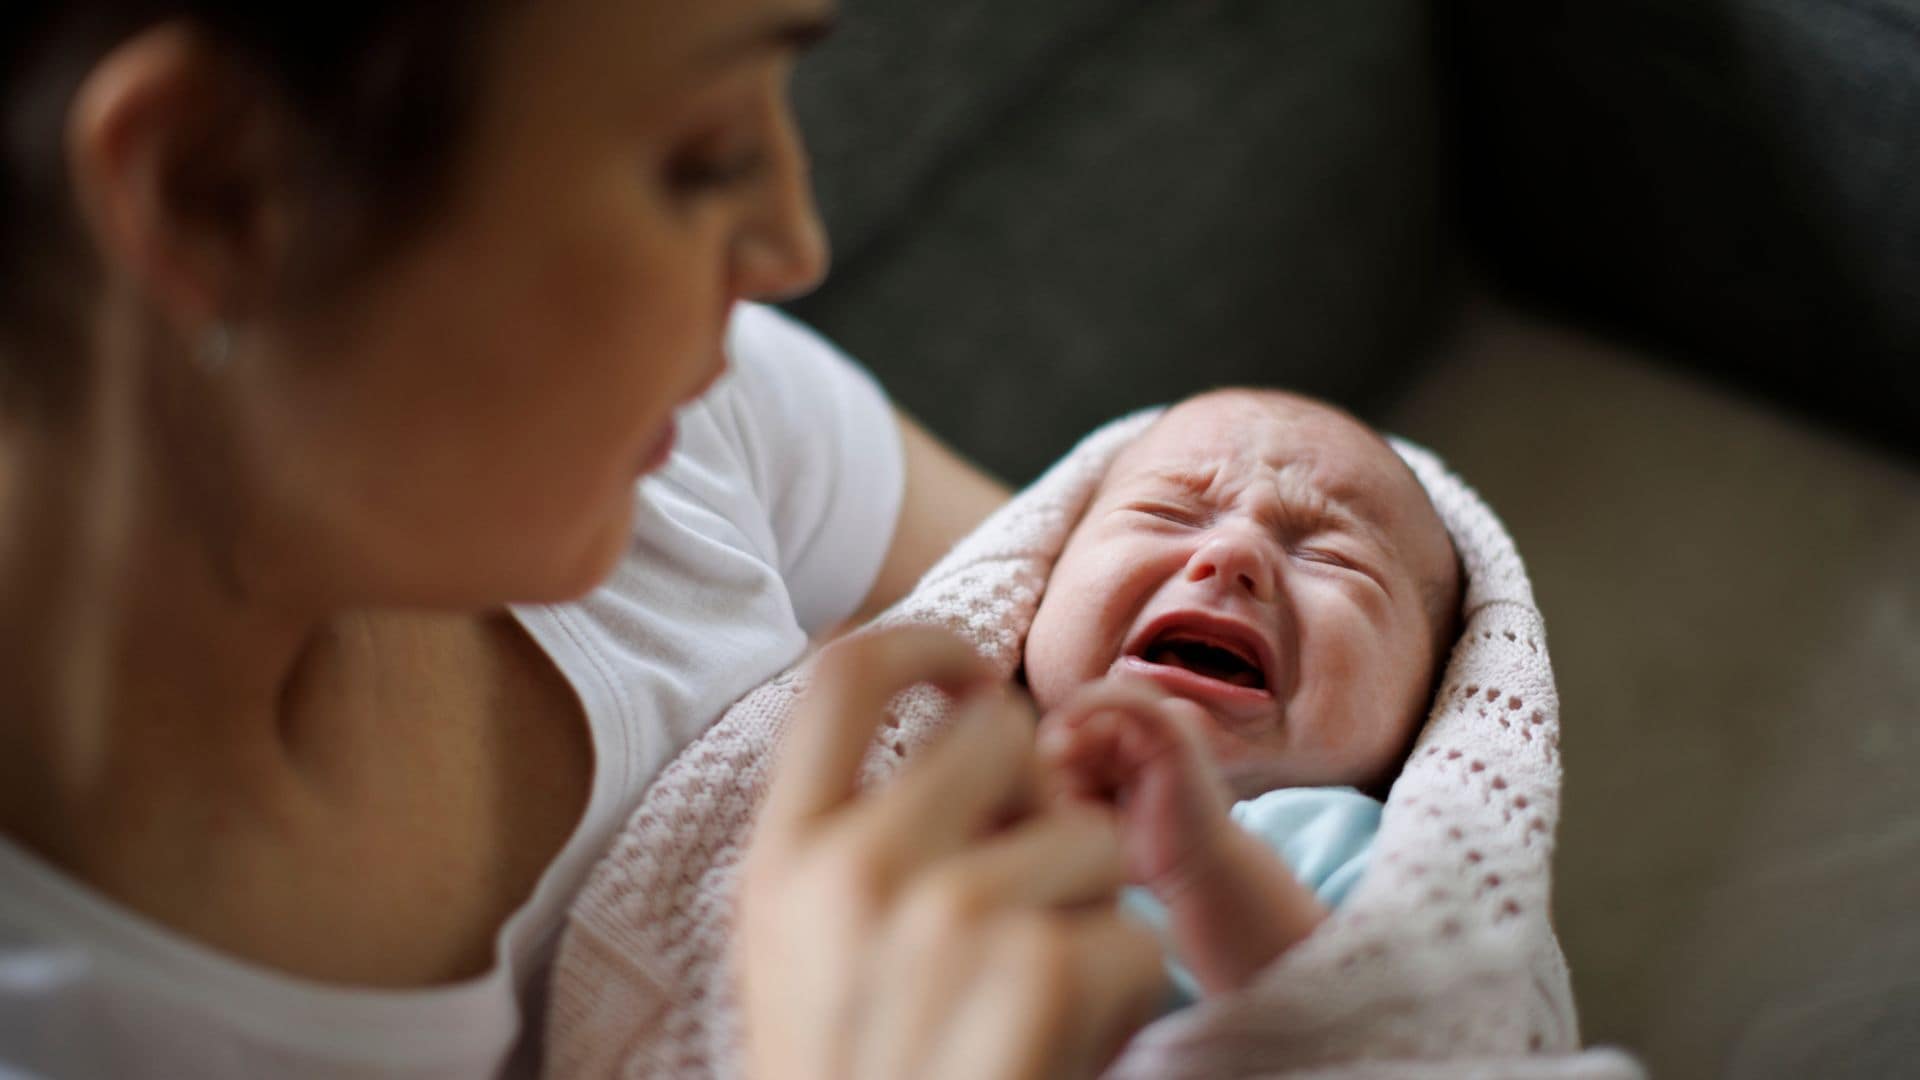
465	427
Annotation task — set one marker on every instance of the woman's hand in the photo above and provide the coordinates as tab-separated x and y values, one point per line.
946	925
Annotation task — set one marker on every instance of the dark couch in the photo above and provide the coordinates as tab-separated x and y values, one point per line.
1646	271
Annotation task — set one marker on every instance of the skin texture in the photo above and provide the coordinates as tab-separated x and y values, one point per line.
1298	526
260	687
1293	520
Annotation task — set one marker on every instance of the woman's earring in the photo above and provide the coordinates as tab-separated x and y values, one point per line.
216	349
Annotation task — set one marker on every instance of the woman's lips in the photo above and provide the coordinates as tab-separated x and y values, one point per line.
662	447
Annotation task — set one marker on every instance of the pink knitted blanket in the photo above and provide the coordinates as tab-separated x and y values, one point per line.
1441	963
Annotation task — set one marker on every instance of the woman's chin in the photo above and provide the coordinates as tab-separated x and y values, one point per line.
581	567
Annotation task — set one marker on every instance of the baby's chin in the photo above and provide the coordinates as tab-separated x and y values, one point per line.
1251	769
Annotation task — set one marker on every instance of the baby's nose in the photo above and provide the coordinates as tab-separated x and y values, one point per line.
1236	562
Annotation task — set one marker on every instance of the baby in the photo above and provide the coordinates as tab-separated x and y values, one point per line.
1255	606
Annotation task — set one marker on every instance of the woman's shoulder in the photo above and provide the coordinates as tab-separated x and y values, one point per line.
793	457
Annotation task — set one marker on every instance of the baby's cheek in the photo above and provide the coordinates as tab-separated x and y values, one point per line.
1044	662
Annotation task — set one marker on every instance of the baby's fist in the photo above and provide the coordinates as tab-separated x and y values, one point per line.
1128	744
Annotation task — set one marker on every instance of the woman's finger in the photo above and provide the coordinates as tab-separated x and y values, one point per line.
1122	985
1124	694
1065	857
856	677
980	772
1075	988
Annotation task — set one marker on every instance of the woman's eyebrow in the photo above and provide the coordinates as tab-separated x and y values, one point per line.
796	31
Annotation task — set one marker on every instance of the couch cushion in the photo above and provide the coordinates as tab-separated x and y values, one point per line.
1193	193
1733	603
905	88
1734	181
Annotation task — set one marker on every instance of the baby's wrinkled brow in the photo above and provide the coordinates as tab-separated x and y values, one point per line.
1187	480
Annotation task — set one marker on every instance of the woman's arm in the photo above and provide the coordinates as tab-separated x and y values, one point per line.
946	496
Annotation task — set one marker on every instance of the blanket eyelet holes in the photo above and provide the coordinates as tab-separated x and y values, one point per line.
1514	703
1519	802
1499	783
1493	881
1453	755
1454	833
1493	694
1538	717
1510	908
1474	856
1450	928
1478	766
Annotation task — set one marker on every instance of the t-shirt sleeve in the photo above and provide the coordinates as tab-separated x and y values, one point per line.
823	448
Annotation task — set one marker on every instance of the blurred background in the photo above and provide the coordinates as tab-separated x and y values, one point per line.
1646	271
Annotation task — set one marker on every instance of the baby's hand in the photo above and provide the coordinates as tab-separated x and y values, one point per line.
1126	743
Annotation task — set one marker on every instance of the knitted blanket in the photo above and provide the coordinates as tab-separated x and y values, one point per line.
1441	962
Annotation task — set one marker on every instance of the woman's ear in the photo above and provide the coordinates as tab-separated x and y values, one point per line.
178	159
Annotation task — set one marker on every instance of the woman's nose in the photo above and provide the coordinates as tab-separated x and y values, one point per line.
781	249
1236	560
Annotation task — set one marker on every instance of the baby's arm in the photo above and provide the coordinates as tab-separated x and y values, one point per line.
1233	906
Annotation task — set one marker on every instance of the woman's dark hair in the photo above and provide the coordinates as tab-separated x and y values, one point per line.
380	93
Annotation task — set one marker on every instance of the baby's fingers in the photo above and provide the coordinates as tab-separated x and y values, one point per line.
1082	760
1131	696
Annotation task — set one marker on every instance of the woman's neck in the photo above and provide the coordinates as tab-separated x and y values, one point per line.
129	662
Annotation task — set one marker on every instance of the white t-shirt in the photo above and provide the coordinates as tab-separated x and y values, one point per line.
770	521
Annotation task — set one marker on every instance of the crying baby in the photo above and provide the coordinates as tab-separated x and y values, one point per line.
1234	652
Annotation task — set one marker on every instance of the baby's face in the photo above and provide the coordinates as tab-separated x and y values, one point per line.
1271	560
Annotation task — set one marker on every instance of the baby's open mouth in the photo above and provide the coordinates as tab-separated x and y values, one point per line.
1211	657
1219	660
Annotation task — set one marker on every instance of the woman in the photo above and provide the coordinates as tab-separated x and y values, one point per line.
328	332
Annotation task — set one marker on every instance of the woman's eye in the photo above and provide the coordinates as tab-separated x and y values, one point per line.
705	172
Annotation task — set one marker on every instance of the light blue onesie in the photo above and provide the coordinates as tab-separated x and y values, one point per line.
1323	835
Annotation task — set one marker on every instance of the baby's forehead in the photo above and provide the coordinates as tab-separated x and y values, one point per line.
1243	435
